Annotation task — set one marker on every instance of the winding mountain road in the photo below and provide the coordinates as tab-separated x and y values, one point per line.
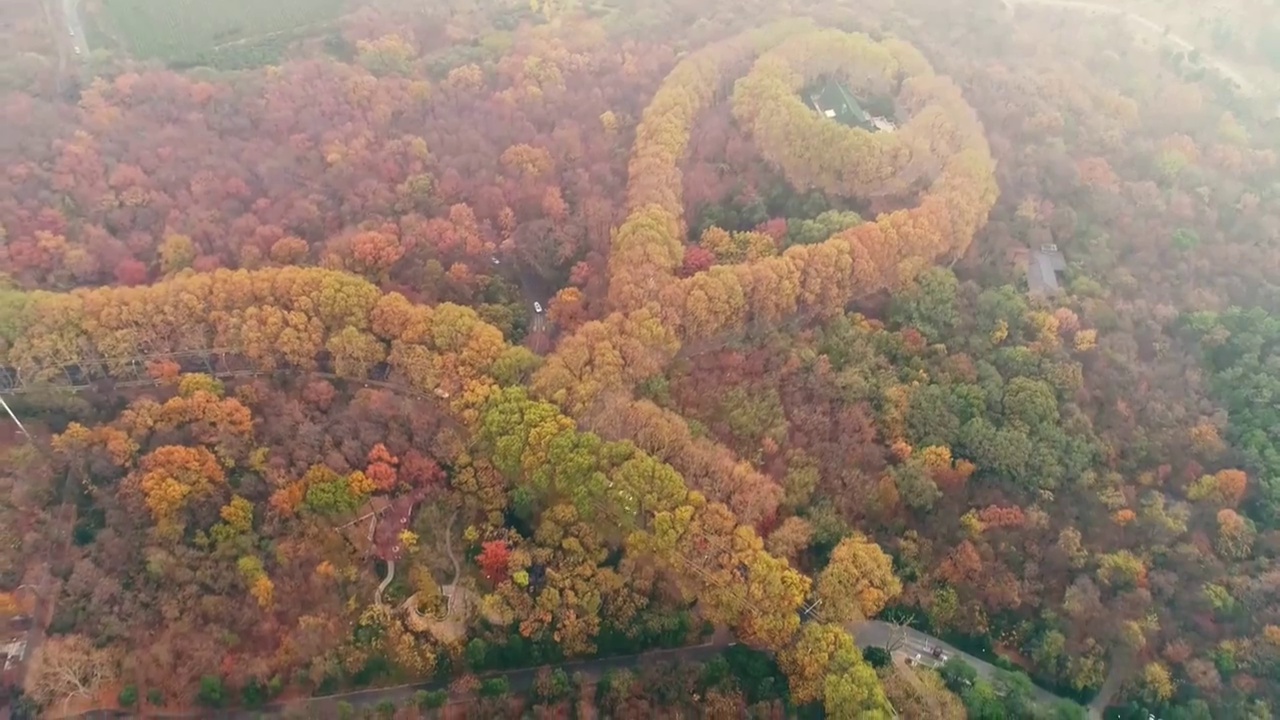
1094	8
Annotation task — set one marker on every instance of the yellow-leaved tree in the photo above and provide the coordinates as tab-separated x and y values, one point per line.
858	581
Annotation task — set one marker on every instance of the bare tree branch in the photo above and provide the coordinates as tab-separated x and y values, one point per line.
69	667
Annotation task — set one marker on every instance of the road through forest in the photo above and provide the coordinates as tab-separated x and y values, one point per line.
867	634
881	634
1222	66
75	24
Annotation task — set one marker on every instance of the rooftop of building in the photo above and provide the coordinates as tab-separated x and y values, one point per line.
1043	267
830	99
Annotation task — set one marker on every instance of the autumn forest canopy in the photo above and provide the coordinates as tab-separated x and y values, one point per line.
915	360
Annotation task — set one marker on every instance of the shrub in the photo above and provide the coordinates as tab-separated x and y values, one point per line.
430	699
877	657
212	693
494	687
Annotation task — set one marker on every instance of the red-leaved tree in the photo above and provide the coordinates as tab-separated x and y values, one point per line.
493	558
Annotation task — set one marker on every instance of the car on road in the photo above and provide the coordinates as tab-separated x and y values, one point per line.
71	32
537	307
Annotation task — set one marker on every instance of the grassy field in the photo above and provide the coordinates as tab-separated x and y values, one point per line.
222	33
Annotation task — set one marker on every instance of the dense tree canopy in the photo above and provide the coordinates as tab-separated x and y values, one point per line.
476	336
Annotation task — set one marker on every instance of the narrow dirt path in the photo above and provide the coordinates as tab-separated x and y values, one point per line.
448	549
410	605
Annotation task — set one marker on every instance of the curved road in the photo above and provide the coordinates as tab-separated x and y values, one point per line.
875	632
382	587
1223	67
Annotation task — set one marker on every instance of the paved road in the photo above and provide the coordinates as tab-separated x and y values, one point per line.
866	634
874	632
520	681
74	28
1120	668
1225	68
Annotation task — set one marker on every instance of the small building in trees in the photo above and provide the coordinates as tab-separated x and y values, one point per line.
1042	267
831	100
